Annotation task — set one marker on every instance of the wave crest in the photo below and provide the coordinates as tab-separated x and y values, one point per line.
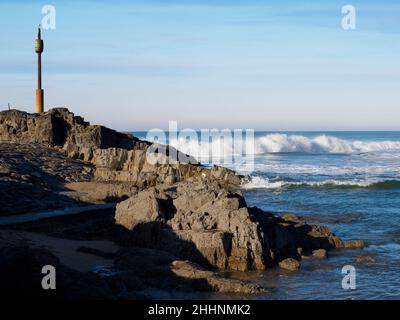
265	183
282	143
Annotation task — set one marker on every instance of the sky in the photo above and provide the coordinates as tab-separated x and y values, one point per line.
265	65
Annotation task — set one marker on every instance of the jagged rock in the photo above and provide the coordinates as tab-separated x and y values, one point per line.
200	220
60	127
310	237
147	206
117	156
289	264
209	222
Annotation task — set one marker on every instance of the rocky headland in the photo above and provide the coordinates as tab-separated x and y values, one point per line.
175	226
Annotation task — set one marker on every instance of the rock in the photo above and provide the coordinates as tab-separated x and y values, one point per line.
60	127
311	237
197	220
365	259
353	244
95	191
117	157
320	254
200	220
158	269
290	217
148	206
229	177
289	264
188	270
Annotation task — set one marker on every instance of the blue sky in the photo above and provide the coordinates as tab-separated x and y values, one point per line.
270	65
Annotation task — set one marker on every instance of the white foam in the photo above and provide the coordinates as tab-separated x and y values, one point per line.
274	143
359	168
265	183
284	143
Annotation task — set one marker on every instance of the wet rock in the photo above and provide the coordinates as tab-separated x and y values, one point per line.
289	264
290	217
365	259
320	254
311	237
353	244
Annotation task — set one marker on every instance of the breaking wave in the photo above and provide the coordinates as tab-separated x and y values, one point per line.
265	183
282	143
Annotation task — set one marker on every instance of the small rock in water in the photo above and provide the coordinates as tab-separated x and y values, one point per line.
26	177
291	217
320	254
365	259
354	244
289	264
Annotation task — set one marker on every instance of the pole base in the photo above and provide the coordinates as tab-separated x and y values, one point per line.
39	100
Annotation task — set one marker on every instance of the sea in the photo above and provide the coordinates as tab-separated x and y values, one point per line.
349	181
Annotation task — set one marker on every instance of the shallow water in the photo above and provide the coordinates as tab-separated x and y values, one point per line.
349	181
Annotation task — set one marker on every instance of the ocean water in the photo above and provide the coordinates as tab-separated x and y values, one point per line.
349	181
